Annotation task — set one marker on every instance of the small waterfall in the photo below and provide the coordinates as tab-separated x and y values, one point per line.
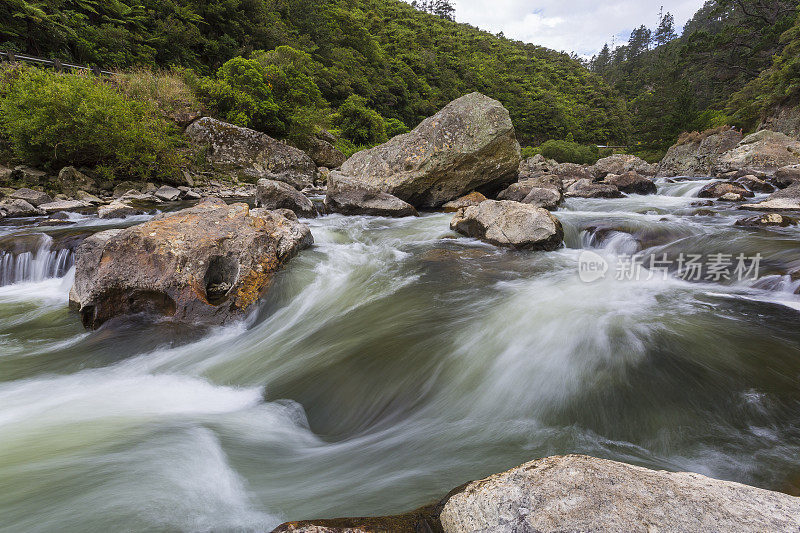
35	265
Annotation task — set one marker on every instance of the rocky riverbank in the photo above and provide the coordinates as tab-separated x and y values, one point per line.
214	248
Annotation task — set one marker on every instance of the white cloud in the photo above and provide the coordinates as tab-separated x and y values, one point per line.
581	26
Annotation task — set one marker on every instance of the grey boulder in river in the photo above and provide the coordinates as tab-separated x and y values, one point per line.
577	493
206	264
469	145
508	223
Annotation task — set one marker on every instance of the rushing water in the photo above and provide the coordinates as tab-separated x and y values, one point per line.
391	363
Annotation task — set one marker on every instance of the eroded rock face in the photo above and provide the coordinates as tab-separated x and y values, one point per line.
507	223
631	183
698	154
469	145
786	176
579	493
620	164
584	188
250	155
350	197
272	194
761	153
205	264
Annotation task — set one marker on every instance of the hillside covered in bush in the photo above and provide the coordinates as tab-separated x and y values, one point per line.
401	62
718	71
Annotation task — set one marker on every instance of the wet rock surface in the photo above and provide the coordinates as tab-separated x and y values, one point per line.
349	197
205	264
507	223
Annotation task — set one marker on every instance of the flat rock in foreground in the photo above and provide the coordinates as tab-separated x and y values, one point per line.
206	264
579	493
576	493
784	200
469	145
507	223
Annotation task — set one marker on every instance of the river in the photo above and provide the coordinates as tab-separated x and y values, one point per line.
394	361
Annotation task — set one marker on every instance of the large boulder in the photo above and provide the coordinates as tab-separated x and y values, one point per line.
784	200
542	191
325	154
620	164
579	493
761	153
718	189
205	264
167	194
272	194
70	180
631	183
697	154
469	145
543	197
507	223
585	188
350	197
250	155
15	207
35	198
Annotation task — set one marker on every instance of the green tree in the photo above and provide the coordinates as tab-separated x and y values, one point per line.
360	124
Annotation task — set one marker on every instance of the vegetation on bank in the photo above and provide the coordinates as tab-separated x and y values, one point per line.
712	75
404	63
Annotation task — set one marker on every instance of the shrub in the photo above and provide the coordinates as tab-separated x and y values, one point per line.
570	152
395	127
360	124
166	90
56	119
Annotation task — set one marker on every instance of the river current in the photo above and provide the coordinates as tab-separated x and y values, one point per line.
394	361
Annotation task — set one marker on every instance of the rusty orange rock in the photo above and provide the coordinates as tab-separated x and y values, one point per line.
206	264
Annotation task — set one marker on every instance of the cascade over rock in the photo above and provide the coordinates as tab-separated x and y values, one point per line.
468	145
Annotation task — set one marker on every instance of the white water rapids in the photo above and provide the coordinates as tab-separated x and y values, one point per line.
391	363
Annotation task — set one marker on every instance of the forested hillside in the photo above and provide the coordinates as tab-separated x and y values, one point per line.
681	83
404	63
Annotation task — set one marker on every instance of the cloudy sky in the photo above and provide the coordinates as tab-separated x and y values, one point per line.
580	26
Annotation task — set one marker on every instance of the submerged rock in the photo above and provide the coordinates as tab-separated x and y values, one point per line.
350	197
250	155
272	194
469	145
631	183
206	264
579	493
473	198
507	223
585	188
768	219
